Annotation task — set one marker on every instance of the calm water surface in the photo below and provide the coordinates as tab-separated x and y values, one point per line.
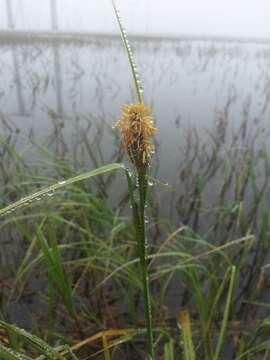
211	103
55	92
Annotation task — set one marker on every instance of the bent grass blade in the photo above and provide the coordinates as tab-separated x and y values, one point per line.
9	354
33	340
48	191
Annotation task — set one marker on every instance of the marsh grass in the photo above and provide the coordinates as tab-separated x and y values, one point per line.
89	236
76	259
136	129
85	255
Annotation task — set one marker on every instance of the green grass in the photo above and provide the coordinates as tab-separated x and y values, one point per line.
86	254
82	254
79	270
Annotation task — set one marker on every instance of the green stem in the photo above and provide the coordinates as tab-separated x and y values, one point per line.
138	213
139	210
142	245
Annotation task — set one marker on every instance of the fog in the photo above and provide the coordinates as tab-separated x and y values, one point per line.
241	18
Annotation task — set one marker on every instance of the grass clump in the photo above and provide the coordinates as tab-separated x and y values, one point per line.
90	269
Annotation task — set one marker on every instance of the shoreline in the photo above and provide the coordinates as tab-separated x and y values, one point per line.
14	35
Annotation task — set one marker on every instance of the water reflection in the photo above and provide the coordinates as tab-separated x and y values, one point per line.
210	99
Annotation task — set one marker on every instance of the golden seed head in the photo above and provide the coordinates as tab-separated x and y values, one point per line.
136	126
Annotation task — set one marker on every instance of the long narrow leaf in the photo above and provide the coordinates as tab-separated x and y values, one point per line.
184	320
33	340
226	315
48	191
127	47
9	354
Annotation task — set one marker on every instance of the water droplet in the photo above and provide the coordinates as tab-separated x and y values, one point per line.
50	194
150	183
62	182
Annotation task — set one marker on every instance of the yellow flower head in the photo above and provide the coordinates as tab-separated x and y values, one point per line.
136	126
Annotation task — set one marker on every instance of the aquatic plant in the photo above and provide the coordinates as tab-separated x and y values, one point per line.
136	126
83	250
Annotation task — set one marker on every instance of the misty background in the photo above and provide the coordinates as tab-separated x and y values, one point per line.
241	18
57	90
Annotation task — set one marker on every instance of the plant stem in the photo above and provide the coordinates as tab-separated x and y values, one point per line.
139	210
138	213
142	245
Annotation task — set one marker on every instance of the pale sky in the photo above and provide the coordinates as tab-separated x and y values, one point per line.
245	18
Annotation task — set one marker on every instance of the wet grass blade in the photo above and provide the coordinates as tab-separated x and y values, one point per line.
129	53
33	340
9	354
61	184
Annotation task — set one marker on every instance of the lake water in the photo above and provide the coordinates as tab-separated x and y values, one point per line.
207	97
211	104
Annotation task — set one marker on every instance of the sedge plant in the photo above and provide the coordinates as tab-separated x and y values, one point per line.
136	128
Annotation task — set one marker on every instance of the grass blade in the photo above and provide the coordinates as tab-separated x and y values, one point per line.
9	354
169	350
226	315
129	54
33	340
51	189
184	320
56	270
